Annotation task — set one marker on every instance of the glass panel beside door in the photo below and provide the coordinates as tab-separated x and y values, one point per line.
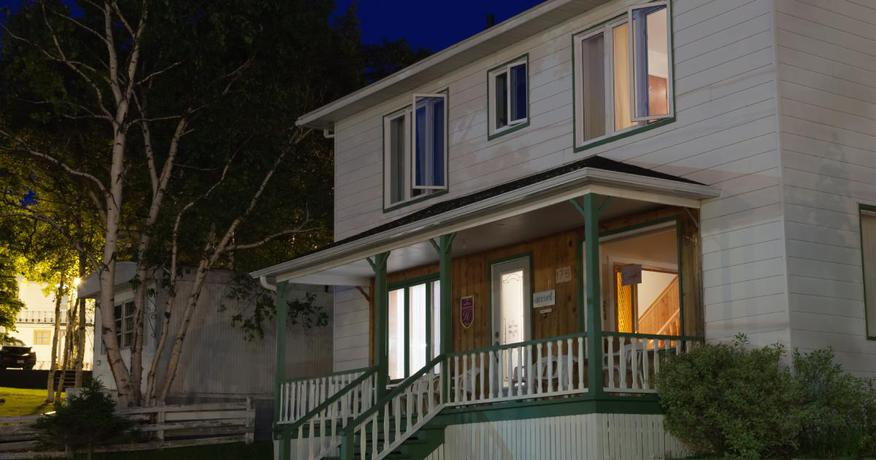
413	332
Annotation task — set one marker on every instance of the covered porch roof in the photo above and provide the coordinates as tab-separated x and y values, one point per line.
518	210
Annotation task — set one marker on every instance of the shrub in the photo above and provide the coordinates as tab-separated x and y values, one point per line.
727	399
837	409
83	421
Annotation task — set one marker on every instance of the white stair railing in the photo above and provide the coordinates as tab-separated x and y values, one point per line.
300	396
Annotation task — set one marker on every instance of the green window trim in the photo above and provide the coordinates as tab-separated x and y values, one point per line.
492	132
634	130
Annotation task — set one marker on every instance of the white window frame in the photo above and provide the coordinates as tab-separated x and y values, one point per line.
387	157
413	136
634	71
492	75
606	30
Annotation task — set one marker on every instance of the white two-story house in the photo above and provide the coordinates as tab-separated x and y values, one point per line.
527	222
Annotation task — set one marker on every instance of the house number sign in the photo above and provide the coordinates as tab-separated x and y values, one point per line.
466	311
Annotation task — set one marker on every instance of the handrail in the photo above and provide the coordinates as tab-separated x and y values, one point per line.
518	344
652	336
399	389
328	402
349	371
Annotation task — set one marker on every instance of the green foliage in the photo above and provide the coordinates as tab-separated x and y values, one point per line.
731	400
84	421
10	305
837	408
254	307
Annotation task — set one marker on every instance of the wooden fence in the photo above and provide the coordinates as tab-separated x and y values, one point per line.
162	427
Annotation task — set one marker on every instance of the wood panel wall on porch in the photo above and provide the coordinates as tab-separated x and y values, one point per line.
471	277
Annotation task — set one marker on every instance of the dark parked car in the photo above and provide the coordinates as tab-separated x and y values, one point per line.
20	357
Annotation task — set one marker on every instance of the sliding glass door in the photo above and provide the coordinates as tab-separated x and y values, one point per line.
414	327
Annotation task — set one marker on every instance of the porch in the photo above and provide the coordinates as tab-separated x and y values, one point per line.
568	289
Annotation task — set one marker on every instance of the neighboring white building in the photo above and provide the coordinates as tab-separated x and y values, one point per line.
35	323
545	208
218	362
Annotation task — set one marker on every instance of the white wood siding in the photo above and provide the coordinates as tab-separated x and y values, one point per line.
827	88
590	436
724	135
350	347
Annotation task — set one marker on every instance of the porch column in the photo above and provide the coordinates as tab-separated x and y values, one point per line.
282	307
589	209
443	246
594	291
381	300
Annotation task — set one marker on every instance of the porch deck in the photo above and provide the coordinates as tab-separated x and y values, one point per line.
349	420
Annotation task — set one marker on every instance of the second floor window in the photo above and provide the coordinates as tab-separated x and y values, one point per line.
508	96
124	317
623	73
415	149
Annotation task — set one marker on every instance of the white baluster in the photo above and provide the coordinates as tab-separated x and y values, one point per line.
386	424
570	366
635	358
550	368
646	368
529	385
610	361
580	363
518	369
465	377
622	348
431	390
538	369
481	372
492	375
509	355
455	381
311	436
300	442
396	408
374	438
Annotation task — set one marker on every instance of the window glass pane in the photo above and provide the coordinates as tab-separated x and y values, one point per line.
868	248
621	71
396	330
429	147
398	166
501	100
652	61
518	94
417	327
593	86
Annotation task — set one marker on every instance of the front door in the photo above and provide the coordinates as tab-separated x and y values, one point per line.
511	294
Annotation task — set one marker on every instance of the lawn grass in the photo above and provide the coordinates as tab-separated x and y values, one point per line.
238	451
20	401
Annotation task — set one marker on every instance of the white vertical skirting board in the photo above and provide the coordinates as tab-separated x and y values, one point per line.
573	437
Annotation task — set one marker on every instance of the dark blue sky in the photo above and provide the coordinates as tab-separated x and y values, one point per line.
433	24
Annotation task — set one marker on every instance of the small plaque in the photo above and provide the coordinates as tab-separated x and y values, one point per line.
564	274
544	298
466	311
631	274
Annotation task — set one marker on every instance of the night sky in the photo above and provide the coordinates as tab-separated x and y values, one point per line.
432	24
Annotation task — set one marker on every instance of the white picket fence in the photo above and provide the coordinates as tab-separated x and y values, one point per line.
165	427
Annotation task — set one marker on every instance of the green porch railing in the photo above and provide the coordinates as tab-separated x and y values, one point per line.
318	431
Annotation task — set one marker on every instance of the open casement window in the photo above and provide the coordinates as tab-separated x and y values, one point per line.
397	154
508	94
429	143
623	74
651	64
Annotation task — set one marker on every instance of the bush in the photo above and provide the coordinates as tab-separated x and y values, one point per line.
726	399
837	408
83	421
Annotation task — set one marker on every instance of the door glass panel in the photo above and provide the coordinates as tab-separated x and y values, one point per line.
417	327
396	330
511	307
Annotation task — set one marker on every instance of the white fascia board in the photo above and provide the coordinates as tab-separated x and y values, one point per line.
315	117
520	201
